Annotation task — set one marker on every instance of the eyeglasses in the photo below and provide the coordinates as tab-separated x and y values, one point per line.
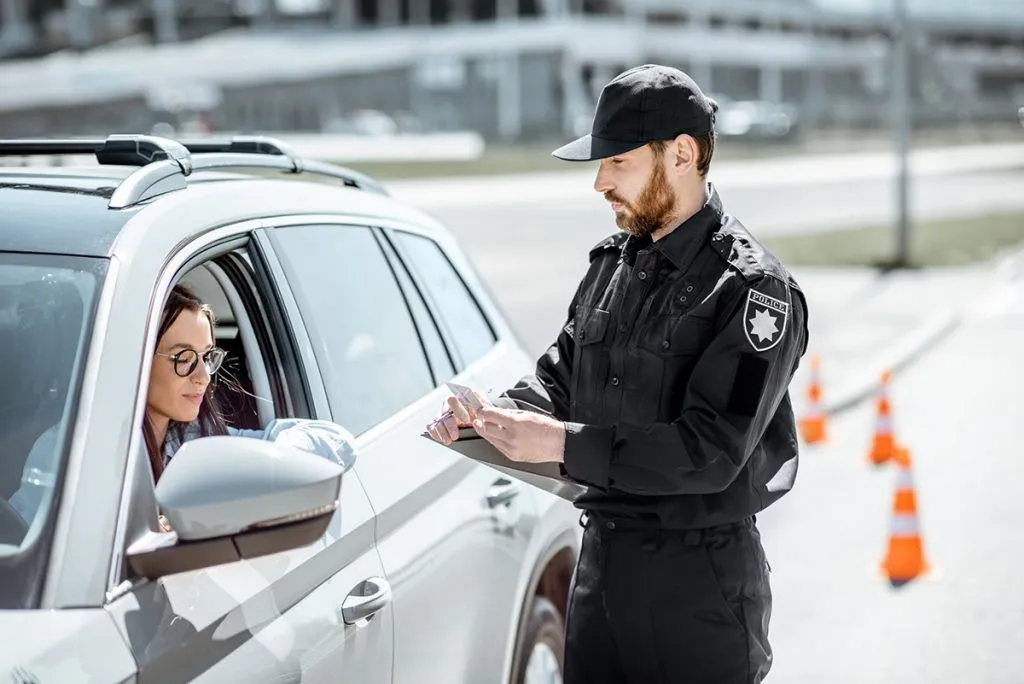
187	360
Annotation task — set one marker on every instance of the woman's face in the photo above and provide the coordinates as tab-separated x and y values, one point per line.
170	395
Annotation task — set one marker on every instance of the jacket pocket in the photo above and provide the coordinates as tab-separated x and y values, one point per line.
590	360
591	325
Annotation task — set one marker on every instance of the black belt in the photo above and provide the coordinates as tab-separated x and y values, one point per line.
654	533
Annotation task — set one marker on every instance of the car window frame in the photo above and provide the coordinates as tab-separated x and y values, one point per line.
319	406
361	223
447	335
286	370
384	222
138	488
396	263
138	494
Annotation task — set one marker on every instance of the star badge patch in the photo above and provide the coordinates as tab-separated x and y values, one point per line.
764	320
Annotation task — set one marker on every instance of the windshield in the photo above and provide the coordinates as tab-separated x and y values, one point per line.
46	305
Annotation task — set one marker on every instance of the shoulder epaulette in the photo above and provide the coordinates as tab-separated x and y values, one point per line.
738	248
612	242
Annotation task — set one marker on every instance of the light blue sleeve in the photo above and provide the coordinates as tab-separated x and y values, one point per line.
254	434
320	437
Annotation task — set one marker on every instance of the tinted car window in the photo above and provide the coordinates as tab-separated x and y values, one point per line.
363	335
437	354
46	305
451	299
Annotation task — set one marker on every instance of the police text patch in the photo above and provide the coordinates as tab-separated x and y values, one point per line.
764	320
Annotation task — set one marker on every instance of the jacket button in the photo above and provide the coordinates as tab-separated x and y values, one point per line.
610	524
665	345
642	275
615	381
718	236
682	299
689	288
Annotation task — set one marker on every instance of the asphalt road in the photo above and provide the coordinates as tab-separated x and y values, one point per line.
958	410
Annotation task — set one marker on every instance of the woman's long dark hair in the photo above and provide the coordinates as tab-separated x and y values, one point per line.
210	419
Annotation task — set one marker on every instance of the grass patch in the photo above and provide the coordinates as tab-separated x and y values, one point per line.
496	159
536	158
949	242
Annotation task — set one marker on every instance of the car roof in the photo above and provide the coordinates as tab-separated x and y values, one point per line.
64	210
59	212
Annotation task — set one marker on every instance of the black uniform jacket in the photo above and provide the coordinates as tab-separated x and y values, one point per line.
671	375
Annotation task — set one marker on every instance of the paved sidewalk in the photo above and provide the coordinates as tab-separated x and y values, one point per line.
863	323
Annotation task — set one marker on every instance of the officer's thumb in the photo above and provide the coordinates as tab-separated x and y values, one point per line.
460	412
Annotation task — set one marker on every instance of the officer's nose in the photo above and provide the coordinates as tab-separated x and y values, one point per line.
603	182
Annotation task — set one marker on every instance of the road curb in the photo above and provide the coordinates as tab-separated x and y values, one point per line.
897	357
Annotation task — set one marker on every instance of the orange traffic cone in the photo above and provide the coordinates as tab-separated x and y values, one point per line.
883	447
812	425
904	559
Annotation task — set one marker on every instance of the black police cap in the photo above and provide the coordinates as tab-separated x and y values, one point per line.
639	106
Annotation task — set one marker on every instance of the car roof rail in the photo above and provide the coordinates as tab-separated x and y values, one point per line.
265	145
128	150
165	163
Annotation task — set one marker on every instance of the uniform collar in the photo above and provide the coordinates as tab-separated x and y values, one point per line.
682	244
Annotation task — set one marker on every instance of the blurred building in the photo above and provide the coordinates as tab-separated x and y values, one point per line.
512	69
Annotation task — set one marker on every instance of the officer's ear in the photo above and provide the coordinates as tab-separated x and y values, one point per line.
684	152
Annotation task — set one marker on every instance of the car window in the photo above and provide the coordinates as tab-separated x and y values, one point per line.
368	349
440	359
257	380
46	305
459	312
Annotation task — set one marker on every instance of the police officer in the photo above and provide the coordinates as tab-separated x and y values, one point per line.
666	394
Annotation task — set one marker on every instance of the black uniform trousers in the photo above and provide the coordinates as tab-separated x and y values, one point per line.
651	606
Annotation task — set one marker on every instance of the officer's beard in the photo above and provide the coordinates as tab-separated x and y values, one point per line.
653	209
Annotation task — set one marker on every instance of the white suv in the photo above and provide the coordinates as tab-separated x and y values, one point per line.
333	302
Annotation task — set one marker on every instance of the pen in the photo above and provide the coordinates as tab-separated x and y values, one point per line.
449	413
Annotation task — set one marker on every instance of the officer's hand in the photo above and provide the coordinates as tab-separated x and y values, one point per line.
454	415
523	436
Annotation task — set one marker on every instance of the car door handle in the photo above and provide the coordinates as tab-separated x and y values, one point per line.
502	491
367	599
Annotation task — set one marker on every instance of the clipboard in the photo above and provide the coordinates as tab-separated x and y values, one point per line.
546	476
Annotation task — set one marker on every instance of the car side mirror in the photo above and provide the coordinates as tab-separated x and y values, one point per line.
232	498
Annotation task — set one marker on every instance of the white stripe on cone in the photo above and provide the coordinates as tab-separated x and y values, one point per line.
904	479
904	525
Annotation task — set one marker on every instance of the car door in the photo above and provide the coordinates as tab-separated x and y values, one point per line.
452	534
277	618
